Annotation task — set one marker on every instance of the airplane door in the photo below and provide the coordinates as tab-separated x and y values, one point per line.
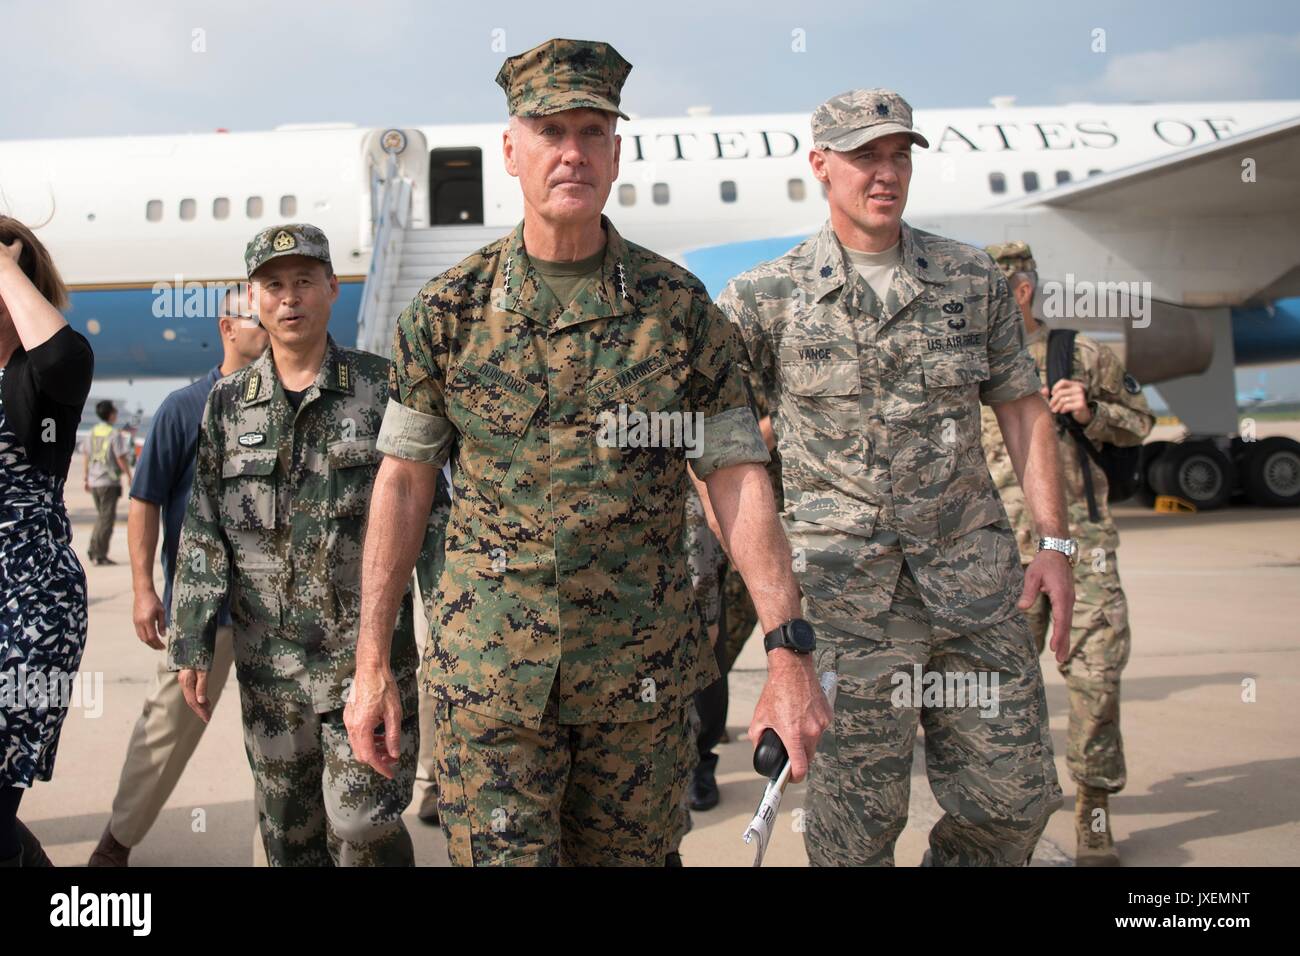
456	186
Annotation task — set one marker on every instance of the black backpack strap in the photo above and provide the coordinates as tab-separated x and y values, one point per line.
1060	364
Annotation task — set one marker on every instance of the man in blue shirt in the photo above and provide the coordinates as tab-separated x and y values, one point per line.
168	731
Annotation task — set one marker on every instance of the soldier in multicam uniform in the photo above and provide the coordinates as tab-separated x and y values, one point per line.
877	342
286	462
568	642
1109	403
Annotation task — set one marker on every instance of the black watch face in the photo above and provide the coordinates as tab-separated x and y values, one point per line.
802	636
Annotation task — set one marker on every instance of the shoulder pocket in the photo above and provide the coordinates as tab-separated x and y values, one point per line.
248	489
955	347
492	410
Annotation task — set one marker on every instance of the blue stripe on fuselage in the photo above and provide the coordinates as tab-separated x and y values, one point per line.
715	266
130	341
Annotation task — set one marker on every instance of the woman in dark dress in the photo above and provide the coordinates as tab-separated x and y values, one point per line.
45	372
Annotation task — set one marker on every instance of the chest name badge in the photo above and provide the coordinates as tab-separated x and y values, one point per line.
248	439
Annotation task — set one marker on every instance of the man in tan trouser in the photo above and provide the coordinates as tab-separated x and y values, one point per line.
167	732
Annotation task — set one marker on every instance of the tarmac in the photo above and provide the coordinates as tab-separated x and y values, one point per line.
1211	703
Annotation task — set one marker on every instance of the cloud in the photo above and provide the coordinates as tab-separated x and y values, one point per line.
1241	67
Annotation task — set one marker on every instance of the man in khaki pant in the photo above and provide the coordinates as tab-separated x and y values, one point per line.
167	732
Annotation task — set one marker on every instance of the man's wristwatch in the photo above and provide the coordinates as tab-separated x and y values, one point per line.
1067	546
796	635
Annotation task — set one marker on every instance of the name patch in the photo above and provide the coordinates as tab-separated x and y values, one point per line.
499	376
944	343
629	376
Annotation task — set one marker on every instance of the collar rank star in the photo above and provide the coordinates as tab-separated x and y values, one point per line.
253	386
341	372
283	242
249	439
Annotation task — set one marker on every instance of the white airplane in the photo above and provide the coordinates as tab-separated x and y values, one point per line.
1171	225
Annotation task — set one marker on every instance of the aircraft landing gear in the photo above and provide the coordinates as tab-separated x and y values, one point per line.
1266	472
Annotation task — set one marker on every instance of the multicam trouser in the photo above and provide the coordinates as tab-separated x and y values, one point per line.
991	768
598	794
1099	649
316	805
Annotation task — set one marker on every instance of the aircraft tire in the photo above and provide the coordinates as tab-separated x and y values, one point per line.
1196	471
1272	473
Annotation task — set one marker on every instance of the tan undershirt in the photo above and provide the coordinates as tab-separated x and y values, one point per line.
876	268
567	279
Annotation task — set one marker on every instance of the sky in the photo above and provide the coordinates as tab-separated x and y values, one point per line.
89	68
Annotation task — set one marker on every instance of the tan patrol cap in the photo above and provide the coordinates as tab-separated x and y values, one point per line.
563	75
847	121
1012	257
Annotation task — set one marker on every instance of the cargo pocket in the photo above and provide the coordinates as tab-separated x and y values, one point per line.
248	489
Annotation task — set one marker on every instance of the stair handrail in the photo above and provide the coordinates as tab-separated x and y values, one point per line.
394	208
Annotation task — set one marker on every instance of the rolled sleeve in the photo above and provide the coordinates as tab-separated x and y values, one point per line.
730	438
1012	372
415	436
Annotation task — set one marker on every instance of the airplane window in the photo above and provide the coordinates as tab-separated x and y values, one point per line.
728	190
997	182
288	205
153	210
660	194
627	194
188	208
253	208
220	207
1062	176
1094	172
796	190
1030	180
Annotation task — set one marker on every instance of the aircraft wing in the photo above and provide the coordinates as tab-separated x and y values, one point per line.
1216	225
1206	181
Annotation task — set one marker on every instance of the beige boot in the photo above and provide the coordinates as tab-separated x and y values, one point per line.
1092	829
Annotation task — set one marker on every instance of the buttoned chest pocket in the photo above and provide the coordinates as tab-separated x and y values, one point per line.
492	419
641	420
954	346
821	394
248	489
352	466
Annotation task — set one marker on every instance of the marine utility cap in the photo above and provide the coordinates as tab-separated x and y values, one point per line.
563	75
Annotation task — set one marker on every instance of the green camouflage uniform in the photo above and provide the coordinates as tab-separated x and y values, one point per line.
568	641
1099	631
275	519
901	546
